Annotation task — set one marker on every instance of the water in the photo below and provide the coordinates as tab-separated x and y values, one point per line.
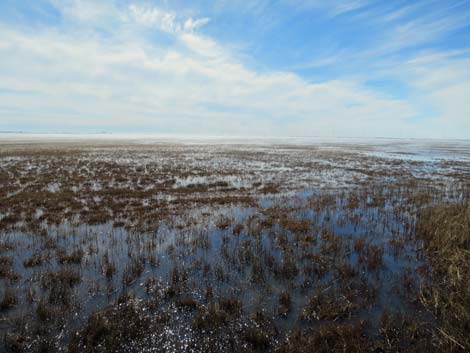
251	265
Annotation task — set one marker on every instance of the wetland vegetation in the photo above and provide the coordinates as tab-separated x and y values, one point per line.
172	247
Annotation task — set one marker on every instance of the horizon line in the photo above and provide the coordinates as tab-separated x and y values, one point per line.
123	135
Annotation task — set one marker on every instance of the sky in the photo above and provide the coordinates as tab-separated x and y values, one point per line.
351	68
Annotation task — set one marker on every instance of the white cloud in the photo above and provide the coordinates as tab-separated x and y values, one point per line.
153	17
192	86
190	25
199	88
166	21
85	10
442	81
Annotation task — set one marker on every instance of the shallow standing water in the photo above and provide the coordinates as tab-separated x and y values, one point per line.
303	236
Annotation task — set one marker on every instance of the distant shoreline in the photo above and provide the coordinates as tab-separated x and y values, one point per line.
20	135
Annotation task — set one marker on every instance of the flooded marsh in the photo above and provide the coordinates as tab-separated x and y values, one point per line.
124	246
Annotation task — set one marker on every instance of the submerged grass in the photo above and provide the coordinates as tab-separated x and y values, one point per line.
222	249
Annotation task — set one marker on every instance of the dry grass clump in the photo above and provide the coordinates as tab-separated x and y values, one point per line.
37	259
224	223
217	314
404	333
6	270
9	299
269	189
210	317
328	304
238	228
186	301
6	261
44	311
108	268
75	257
285	303
374	254
445	231
328	338
231	305
258	338
295	225
59	285
397	333
133	271
113	329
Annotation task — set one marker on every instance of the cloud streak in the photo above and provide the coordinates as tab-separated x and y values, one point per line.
188	82
165	21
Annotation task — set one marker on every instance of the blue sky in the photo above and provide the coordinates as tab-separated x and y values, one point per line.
246	68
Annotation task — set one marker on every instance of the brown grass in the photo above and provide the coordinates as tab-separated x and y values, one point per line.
445	231
9	299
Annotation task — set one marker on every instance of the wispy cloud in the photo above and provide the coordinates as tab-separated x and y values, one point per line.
393	35
107	66
166	21
332	7
85	11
